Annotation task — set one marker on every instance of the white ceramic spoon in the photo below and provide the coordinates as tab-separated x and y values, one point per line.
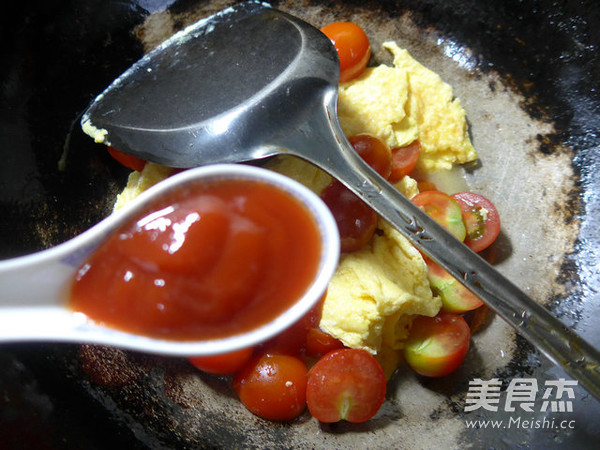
34	289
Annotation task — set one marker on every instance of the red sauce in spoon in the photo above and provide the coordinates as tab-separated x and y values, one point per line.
214	260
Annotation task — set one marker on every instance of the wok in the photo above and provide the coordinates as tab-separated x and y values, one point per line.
526	73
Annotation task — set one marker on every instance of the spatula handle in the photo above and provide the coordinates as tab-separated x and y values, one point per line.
555	340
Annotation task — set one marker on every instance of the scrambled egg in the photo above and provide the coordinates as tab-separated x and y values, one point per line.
406	102
138	182
376	291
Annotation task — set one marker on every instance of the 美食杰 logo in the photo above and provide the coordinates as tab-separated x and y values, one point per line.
523	395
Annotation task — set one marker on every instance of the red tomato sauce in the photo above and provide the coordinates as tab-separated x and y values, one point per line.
219	259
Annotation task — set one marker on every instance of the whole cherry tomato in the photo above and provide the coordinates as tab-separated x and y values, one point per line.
294	340
374	151
319	343
353	48
224	363
273	386
129	161
356	220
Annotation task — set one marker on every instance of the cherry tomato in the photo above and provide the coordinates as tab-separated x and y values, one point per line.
374	151
129	161
291	341
481	219
353	48
404	160
478	318
444	209
273	386
356	221
319	343
346	384
437	346
294	340
455	297
222	364
425	185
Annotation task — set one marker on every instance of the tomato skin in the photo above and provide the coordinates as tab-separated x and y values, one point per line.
129	161
346	384
481	219
353	48
478	318
319	343
356	221
443	209
455	297
222	364
437	346
425	185
273	386
404	160
294	340
374	151
291	341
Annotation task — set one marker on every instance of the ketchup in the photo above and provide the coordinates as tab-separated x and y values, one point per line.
213	260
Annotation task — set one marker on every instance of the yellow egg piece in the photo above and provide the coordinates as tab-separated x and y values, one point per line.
138	182
443	131
374	289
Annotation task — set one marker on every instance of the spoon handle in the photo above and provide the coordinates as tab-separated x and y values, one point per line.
555	340
34	290
32	296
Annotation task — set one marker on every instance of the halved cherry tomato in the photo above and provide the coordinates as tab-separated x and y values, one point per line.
478	318
444	209
129	161
455	297
319	343
273	386
481	219
374	151
353	48
437	346
222	364
346	384
425	185
356	221
404	160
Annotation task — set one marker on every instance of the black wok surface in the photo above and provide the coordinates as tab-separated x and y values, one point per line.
55	183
